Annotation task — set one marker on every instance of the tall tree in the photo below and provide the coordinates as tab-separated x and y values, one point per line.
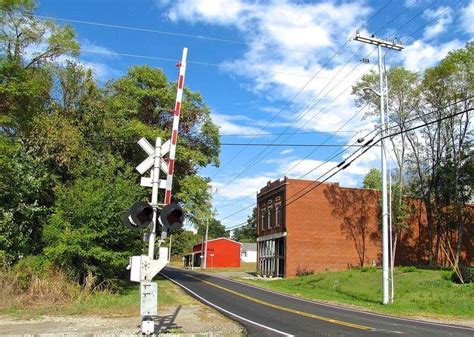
216	229
247	233
373	179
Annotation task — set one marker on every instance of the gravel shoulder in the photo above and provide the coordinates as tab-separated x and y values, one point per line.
182	320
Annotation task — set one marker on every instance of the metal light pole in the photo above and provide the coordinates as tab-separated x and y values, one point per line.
385	254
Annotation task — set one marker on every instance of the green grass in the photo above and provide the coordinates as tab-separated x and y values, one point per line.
125	303
418	292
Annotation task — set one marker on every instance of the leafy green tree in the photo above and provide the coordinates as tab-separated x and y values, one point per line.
24	80
216	229
183	242
85	232
68	148
373	179
26	198
20	29
440	153
247	233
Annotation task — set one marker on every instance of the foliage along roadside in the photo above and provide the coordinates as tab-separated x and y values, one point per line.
68	149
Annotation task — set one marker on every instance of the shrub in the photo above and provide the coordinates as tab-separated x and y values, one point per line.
409	269
29	267
467	274
364	269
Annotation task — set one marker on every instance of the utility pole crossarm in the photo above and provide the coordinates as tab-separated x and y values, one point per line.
379	42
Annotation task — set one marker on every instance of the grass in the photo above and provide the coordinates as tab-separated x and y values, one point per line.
125	303
418	292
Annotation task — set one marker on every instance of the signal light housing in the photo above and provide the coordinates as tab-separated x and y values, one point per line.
172	217
139	216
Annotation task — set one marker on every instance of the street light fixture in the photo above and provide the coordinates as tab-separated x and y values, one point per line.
368	90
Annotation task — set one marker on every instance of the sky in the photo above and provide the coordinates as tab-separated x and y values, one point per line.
272	72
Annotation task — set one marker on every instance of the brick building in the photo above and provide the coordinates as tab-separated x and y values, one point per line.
329	228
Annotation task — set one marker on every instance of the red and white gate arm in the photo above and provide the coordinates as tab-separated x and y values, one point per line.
174	133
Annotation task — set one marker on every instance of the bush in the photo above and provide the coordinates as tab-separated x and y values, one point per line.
29	267
364	269
467	274
409	269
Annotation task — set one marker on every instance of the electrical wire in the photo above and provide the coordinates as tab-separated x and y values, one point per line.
260	155
370	144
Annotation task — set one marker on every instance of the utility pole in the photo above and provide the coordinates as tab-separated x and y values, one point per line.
205	244
385	245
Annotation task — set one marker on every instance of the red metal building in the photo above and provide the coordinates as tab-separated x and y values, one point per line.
221	253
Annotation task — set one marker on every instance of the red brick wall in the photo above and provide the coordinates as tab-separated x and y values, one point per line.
325	228
319	224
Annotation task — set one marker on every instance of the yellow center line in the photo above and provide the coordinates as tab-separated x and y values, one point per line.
278	307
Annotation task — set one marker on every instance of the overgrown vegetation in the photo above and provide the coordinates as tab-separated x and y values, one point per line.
418	292
68	150
34	288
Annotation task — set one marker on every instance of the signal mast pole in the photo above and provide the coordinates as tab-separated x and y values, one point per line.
385	254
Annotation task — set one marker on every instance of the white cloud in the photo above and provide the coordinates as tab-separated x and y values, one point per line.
241	188
90	49
467	18
442	17
216	11
234	124
420	55
286	151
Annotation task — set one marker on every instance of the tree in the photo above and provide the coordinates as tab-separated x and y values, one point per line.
435	159
183	242
24	84
247	233
85	233
68	148
216	229
440	168
373	179
26	199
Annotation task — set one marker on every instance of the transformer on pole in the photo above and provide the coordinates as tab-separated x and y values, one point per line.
385	244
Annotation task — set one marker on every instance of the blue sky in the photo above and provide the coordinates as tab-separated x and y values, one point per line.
283	74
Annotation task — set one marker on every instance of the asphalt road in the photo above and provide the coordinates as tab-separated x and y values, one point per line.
265	313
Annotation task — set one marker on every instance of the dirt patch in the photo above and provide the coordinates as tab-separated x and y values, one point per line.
181	320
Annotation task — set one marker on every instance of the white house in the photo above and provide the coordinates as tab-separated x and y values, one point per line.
248	252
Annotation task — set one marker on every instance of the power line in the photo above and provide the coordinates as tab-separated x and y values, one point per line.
293	145
187	35
254	160
158	58
163	32
304	86
277	134
370	144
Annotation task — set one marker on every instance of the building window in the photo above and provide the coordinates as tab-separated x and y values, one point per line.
269	217
278	215
262	218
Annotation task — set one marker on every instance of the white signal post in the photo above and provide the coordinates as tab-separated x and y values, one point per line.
385	245
145	267
154	196
174	133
